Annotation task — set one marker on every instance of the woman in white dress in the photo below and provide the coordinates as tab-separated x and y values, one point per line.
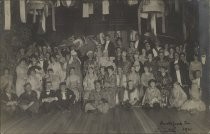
21	71
88	83
56	66
178	96
195	103
35	78
73	82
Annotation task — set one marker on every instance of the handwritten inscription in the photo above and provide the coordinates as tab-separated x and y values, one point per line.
175	127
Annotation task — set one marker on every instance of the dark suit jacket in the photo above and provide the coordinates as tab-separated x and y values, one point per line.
111	49
184	77
44	95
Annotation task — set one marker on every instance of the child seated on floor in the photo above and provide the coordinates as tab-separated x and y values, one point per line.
8	100
96	100
28	100
48	98
66	97
152	96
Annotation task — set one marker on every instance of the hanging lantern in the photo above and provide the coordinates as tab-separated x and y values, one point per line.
156	8
40	7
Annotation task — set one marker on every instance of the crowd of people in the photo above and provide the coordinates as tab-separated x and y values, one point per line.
147	74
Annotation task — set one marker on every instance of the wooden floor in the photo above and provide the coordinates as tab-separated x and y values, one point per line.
118	120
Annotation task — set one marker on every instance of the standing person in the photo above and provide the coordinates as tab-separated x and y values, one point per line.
56	66
195	104
126	64
146	77
180	75
171	54
90	62
151	64
21	71
178	96
143	57
88	83
8	100
73	82
75	63
66	97
195	65
109	47
152	96
162	61
101	76
121	85
166	50
28	100
131	51
48	98
110	86
137	43
164	83
97	100
35	79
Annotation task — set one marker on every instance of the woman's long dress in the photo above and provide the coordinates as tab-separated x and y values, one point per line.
178	97
21	72
195	103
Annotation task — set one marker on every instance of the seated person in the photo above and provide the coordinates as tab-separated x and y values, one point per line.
28	100
152	96
131	94
48	98
8	100
96	100
178	96
66	97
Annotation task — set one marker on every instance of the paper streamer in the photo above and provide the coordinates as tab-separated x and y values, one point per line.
85	10
153	24
177	5
105	7
90	8
43	22
53	18
163	24
7	14
68	2
22	11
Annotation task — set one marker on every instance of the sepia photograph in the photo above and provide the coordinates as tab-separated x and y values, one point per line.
104	67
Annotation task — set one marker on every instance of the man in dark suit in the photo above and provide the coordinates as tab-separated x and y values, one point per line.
66	97
109	47
48	98
137	43
180	75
